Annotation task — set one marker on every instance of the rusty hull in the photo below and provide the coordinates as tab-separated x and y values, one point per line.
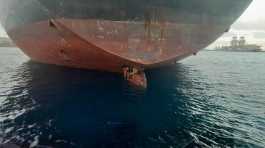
110	45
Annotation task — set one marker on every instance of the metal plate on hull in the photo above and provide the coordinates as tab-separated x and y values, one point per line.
141	43
140	33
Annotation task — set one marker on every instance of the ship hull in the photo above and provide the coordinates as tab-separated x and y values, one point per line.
60	45
109	39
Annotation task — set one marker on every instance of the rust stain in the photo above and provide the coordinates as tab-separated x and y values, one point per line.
155	21
147	25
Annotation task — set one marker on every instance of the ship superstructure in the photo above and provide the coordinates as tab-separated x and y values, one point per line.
240	45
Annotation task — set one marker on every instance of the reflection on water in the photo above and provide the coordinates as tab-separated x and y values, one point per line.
61	107
53	106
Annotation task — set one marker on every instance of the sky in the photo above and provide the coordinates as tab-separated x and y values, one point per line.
251	25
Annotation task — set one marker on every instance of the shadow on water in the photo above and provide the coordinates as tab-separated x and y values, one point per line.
63	107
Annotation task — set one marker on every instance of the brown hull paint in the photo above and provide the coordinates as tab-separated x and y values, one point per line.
108	45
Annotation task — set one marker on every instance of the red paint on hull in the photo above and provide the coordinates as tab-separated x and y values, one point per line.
79	44
46	45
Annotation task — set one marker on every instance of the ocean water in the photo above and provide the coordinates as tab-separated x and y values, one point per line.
214	99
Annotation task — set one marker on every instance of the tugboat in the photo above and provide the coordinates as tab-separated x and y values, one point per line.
108	34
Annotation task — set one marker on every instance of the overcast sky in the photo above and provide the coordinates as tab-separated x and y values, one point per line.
251	25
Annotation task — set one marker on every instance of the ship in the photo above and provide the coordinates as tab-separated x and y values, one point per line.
123	36
240	45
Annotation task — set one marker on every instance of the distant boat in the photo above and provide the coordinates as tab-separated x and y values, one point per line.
240	45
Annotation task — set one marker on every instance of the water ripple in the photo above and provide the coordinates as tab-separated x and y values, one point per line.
213	100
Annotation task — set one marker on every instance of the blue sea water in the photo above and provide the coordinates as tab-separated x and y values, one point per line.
214	99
